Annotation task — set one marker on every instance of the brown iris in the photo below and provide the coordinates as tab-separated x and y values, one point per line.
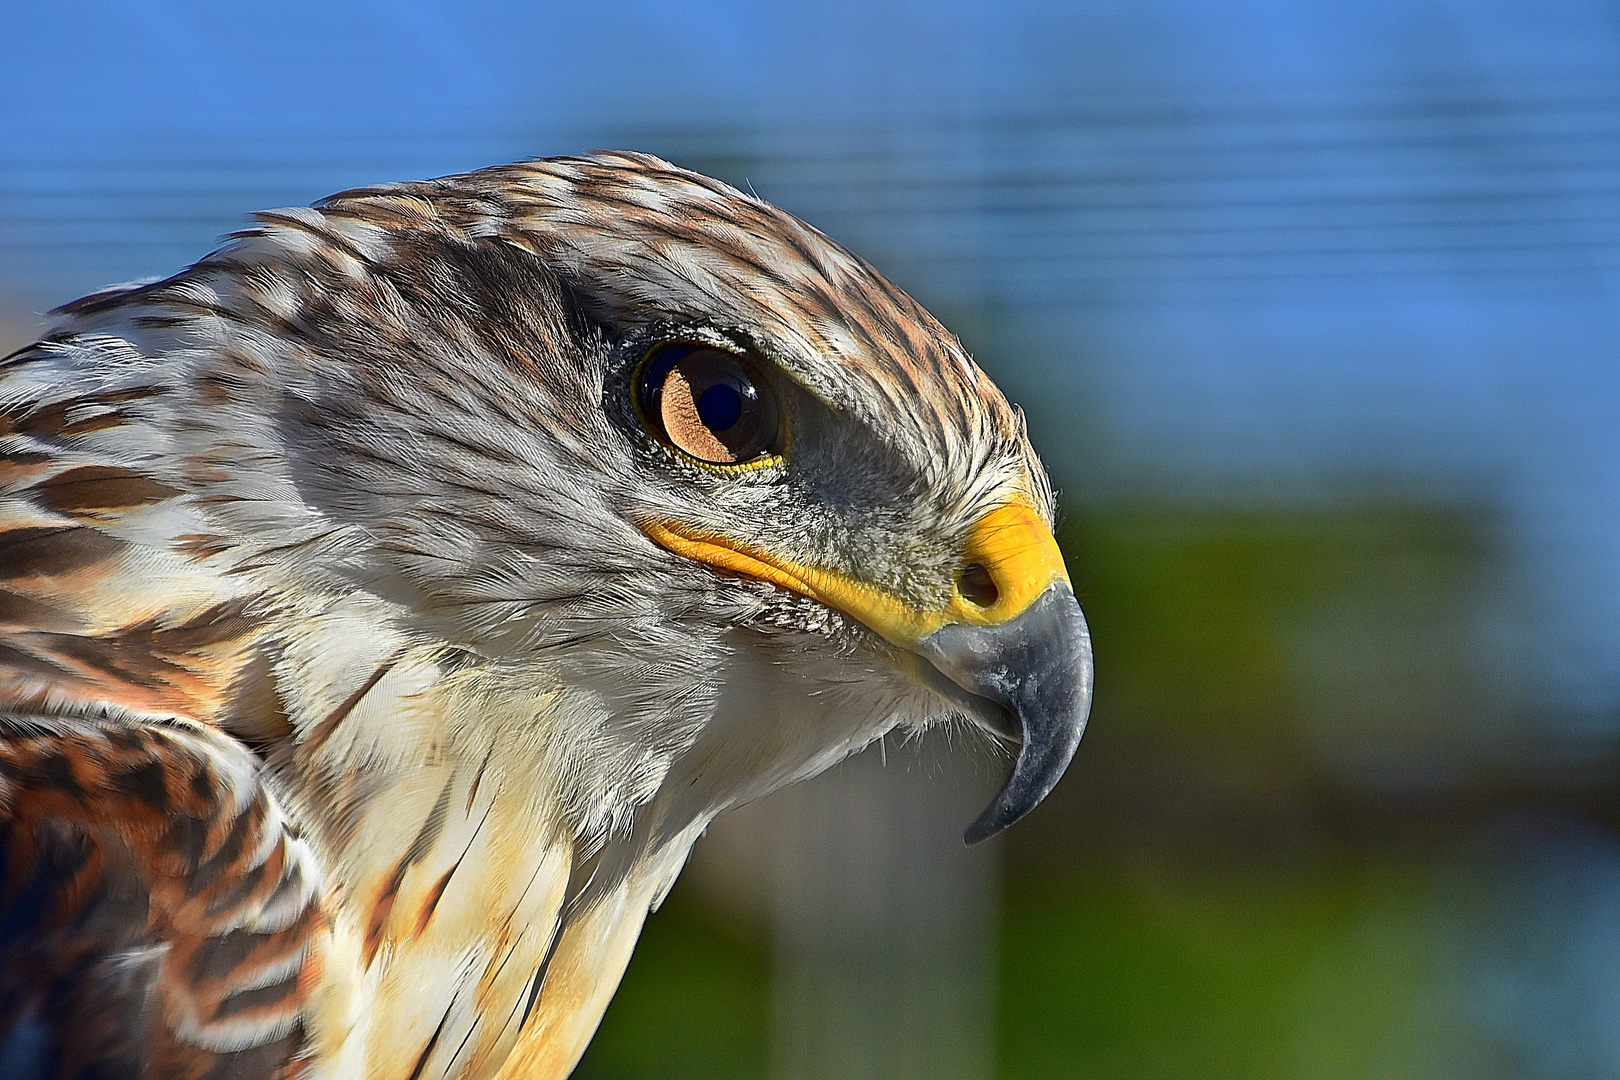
706	402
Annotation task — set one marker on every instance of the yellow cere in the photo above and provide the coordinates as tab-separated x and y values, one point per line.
1011	542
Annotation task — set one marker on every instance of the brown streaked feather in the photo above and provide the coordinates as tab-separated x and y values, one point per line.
159	915
94	491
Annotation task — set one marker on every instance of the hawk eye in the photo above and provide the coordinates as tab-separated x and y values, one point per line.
707	403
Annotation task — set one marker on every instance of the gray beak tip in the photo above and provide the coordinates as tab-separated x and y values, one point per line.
1041	763
985	827
1039	667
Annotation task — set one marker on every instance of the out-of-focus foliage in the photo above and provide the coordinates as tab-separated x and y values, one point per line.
1239	973
694	1007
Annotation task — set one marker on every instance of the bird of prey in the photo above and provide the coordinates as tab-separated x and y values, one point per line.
389	600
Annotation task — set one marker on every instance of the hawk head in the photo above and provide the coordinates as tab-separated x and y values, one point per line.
553	508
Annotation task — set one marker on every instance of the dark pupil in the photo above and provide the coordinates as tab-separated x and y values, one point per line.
704	402
720	406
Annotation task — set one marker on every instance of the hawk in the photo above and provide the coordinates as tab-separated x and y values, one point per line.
389	601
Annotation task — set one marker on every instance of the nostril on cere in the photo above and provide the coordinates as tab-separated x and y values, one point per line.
977	587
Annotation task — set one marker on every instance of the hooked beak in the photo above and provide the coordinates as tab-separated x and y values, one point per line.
1038	667
1022	645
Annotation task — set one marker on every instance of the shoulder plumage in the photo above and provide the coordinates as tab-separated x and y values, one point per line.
158	913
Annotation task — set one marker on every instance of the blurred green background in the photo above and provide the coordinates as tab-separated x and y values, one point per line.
1312	311
1217	889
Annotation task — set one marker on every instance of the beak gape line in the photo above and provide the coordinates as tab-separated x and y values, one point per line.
1028	651
1038	667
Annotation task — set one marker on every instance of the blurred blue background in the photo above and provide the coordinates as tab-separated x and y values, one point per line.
1312	307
